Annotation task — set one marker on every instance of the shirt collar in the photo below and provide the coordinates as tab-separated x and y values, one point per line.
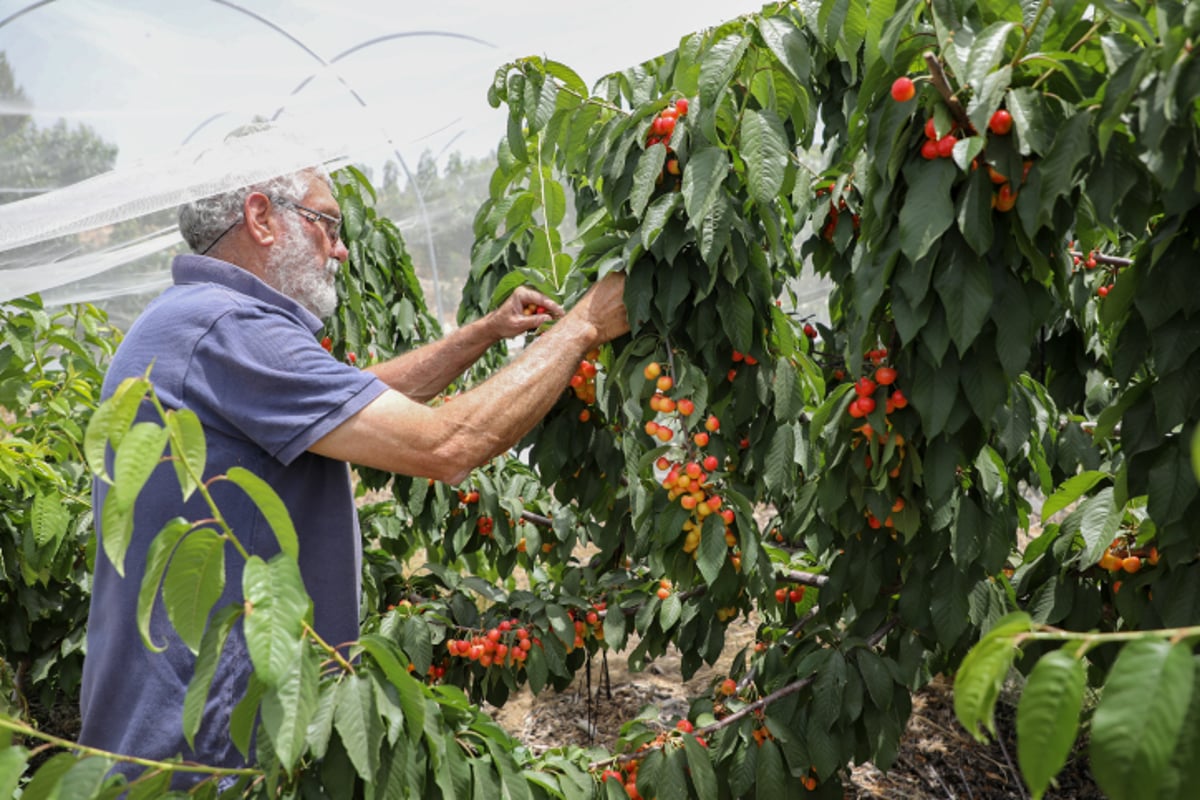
190	268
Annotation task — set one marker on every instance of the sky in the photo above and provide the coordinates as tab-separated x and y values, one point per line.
151	75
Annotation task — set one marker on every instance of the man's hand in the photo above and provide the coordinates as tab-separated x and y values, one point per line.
604	307
511	318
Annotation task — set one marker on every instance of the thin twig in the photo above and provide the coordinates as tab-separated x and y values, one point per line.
1012	767
780	693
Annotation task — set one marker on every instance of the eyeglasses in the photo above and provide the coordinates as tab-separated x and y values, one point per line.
332	225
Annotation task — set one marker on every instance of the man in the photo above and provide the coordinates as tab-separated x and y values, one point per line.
233	340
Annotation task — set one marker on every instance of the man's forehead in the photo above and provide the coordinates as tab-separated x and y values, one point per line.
320	197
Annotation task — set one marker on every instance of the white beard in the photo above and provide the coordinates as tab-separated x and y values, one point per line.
291	270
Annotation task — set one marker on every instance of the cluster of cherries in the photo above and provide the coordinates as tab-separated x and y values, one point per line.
865	389
689	481
1090	262
830	227
870	391
1122	556
626	774
583	383
1000	124
351	357
662	128
507	644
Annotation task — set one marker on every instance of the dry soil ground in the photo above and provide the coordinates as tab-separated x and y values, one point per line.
937	759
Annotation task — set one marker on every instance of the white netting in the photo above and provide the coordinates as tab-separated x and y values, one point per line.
70	233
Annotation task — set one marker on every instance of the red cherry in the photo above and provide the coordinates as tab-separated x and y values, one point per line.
945	145
327	343
903	89
1000	123
681	106
864	387
929	150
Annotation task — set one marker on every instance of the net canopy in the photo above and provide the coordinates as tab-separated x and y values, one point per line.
113	113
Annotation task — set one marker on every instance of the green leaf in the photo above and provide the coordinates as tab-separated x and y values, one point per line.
702	178
211	646
358	725
568	76
157	558
83	779
49	518
1048	718
193	583
138	455
12	765
645	177
975	213
271	506
46	780
927	210
288	708
981	674
1099	521
615	630
780	460
1139	717
986	51
704	779
669	612
738	321
188	447
765	150
966	292
244	717
116	529
710	556
1069	491
718	67
276	609
770	774
788	45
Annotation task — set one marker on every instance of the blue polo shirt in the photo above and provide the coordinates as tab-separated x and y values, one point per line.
244	358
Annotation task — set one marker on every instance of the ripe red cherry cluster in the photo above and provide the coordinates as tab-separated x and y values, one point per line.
1121	555
507	644
835	209
626	774
739	358
865	389
662	403
1094	259
583	382
785	595
662	128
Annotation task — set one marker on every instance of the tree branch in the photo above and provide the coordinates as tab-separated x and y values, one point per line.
938	76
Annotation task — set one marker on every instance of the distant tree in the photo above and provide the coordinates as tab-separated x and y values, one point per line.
36	158
435	211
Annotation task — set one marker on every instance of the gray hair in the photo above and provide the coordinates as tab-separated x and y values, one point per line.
205	220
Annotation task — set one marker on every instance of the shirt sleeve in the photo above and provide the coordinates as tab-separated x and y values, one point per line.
261	373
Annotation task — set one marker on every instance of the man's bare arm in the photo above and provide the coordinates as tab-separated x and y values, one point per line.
397	434
423	373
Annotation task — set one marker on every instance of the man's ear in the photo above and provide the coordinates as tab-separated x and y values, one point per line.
257	210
